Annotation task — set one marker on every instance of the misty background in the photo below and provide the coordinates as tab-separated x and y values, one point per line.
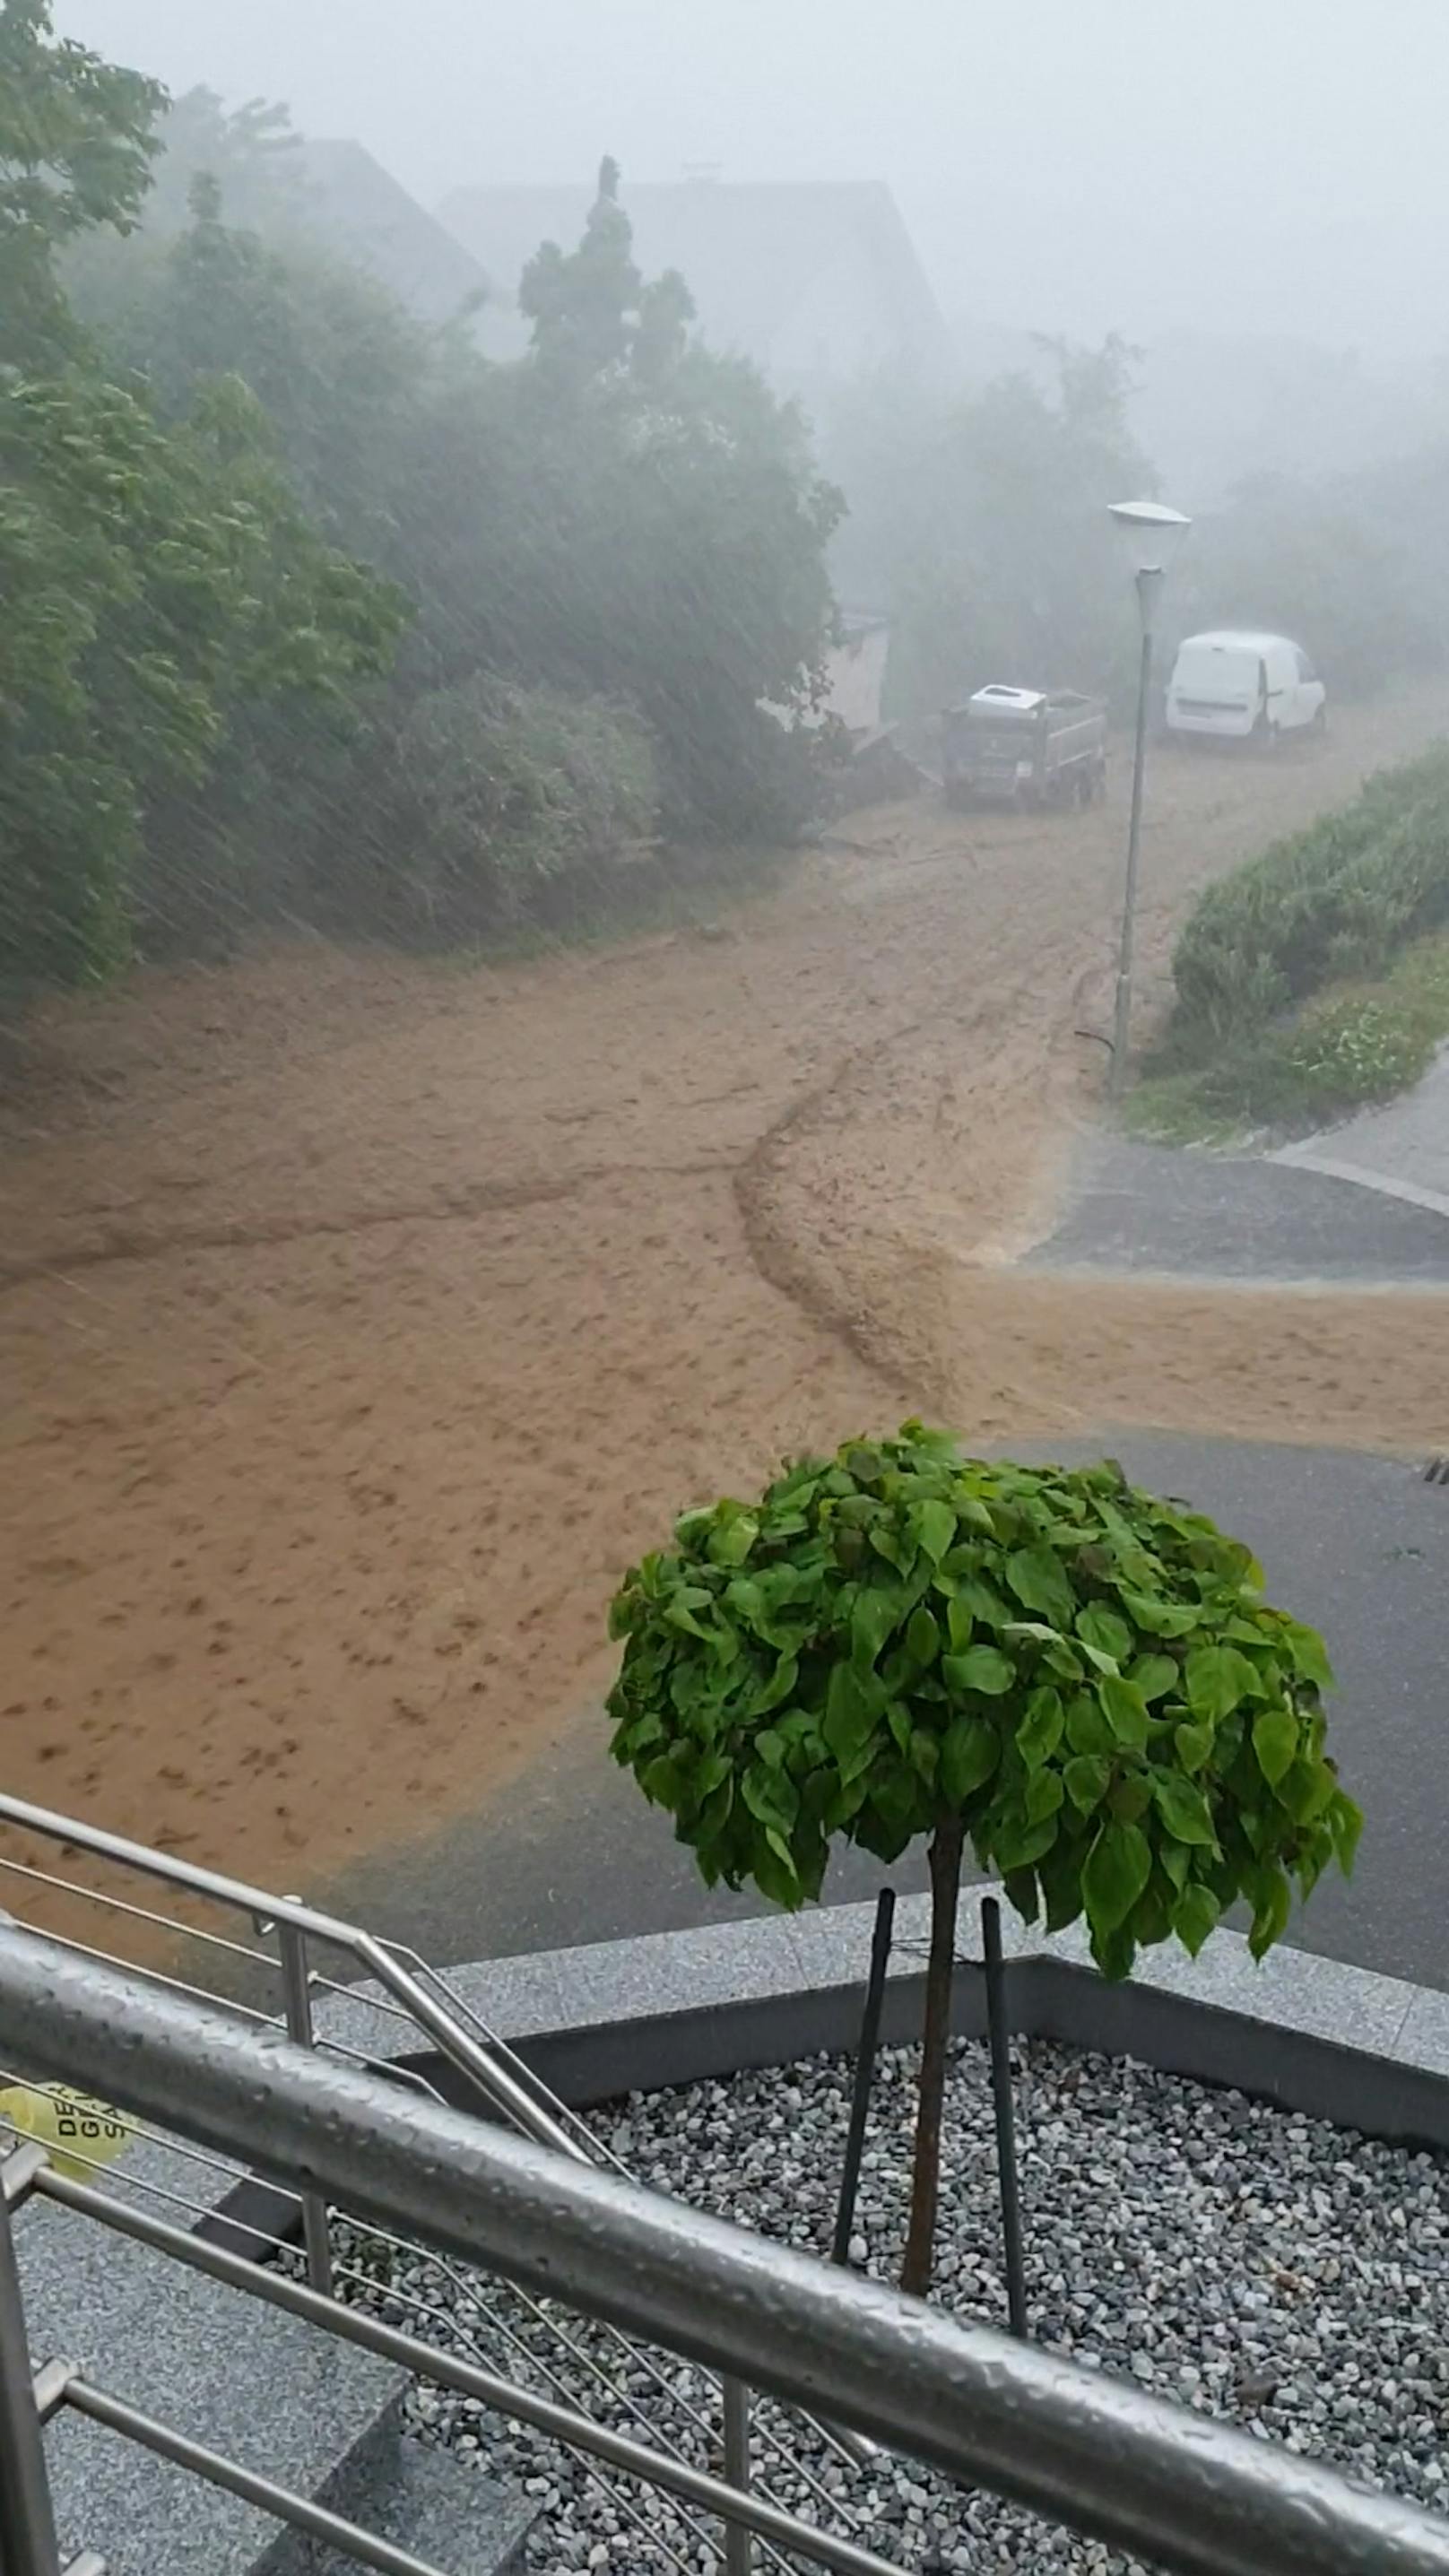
1257	195
634	418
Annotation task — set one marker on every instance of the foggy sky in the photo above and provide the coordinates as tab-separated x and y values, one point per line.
1236	166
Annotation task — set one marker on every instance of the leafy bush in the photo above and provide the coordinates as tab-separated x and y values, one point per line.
907	1642
1361	1042
1339	898
504	793
1086	1677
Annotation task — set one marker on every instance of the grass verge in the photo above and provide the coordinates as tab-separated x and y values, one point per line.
1353	1043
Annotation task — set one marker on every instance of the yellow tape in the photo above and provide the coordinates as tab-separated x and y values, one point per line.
79	2131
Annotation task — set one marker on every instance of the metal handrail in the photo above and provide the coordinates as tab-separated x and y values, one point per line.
563	2423
1080	2447
417	1991
497	2084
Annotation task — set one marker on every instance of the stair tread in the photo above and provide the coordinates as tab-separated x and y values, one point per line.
261	2387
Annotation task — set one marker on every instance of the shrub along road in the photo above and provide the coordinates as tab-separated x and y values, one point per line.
365	1317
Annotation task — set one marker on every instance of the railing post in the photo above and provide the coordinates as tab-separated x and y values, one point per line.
739	2542
28	2545
297	1995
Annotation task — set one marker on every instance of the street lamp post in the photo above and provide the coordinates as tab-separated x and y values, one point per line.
1151	532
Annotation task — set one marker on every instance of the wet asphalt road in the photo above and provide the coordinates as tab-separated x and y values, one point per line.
1142	1209
1357	1545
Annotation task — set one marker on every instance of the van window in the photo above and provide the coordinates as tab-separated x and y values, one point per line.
1306	670
1216	674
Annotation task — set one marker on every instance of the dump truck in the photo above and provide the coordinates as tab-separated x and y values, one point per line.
1027	747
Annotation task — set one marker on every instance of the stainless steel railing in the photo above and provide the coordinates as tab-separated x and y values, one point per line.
1084	2449
406	1989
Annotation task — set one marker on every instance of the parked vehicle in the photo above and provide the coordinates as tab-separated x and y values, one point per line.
1244	686
1025	746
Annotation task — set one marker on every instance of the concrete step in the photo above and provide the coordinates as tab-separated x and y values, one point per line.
260	2387
454	2517
282	2398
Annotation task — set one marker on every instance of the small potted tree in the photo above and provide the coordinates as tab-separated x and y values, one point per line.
1079	1681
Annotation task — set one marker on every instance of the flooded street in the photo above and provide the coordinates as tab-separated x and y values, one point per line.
363	1318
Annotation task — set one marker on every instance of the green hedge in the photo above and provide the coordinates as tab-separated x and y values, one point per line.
1334	901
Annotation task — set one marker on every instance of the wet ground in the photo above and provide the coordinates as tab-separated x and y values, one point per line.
362	1317
1132	1209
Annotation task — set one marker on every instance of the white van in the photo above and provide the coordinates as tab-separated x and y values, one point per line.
1229	684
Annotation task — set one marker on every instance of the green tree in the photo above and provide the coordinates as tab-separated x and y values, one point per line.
904	1643
156	576
76	143
152	576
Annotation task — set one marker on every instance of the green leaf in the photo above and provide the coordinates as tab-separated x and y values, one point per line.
1087	1728
925	1754
732	1541
1345	1823
773	1868
771	1796
923	1637
660	1780
1016	1845
1160	1618
936	1529
853	1710
977	1596
1035	1576
1086	1780
1175	1862
871	1621
1306	1789
1215	1679
1125	1711
981	1668
745	1598
1194	1916
960	1621
970	1752
1194	1744
1183	1809
1103	1629
1275	1743
1117	1869
1040	1731
1044	1795
769	1747
1130	1796
1062	1659
845	1801
1308	1652
781	1685
1155	1676
1272	1904
1100	1662
1020	1890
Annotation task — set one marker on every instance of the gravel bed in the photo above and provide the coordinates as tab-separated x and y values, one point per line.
1245	2262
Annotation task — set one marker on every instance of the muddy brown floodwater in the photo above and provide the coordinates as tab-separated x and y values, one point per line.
362	1319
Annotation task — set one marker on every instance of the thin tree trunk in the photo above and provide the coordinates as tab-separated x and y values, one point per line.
945	1856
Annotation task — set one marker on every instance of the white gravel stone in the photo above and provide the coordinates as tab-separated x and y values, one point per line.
1243	2262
